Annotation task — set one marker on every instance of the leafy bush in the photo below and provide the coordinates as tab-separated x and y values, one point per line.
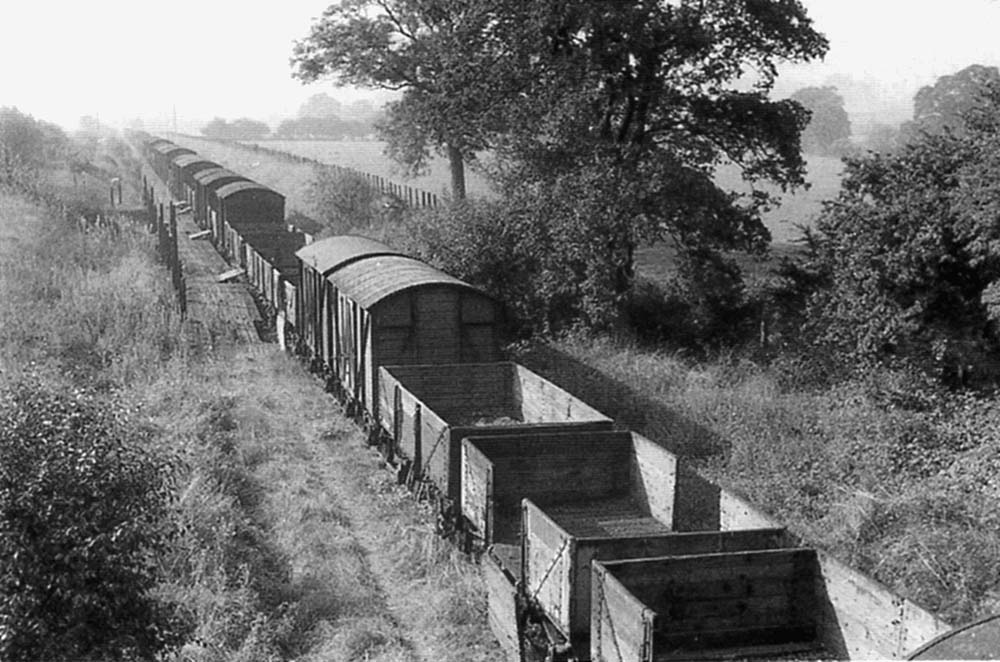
346	201
908	256
83	512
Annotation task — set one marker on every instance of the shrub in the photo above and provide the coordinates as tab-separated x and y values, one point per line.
83	509
345	200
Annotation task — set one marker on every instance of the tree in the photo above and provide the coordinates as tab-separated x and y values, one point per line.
646	93
320	105
82	512
828	123
910	250
25	145
641	93
945	103
451	60
241	129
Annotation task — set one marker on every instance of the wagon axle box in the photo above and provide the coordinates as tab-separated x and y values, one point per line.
429	409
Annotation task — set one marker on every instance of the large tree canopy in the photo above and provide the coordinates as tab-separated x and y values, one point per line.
911	250
829	126
646	97
944	103
452	60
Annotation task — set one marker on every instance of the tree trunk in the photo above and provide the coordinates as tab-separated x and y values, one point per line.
457	172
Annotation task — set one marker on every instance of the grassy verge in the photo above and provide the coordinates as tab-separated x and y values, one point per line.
292	543
905	491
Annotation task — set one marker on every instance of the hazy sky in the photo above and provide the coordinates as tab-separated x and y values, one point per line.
116	59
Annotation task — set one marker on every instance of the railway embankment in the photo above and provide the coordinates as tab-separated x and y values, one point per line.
292	541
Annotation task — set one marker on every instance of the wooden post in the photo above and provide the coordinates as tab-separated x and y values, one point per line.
174	261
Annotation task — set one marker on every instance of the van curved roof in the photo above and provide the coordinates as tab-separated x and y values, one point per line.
331	253
377	278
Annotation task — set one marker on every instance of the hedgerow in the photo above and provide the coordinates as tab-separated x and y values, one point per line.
84	513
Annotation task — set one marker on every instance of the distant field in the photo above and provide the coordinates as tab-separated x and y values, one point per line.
367	156
798	208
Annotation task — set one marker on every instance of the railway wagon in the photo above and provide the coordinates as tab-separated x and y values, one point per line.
270	264
742	604
239	204
206	183
318	310
559	545
603	473
428	410
397	310
163	155
183	169
148	145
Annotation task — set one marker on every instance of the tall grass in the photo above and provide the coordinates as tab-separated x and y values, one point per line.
894	477
288	542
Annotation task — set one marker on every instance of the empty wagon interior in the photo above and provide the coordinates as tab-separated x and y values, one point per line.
558	554
743	603
592	478
491	394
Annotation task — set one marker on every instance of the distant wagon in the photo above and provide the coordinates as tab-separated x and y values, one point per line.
268	257
207	182
240	205
183	169
163	156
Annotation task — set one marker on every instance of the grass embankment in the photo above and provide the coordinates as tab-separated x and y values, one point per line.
895	478
292	543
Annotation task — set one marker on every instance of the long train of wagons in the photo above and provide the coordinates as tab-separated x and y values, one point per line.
590	550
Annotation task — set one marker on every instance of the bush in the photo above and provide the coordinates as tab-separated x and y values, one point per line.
83	512
346	201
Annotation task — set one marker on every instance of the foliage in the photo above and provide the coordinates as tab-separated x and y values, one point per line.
241	129
450	60
828	122
25	144
83	508
345	199
614	119
322	127
945	103
883	138
908	254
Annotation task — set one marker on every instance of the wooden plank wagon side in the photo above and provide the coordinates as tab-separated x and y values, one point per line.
428	410
316	315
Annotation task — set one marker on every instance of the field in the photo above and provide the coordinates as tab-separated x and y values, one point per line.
367	156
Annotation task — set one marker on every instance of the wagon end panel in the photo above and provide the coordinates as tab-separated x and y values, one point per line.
668	544
501	607
654	478
477	491
620	625
548	562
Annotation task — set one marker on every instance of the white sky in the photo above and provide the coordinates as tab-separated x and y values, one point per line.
121	59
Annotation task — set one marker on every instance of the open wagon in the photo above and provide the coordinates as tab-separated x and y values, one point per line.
426	410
